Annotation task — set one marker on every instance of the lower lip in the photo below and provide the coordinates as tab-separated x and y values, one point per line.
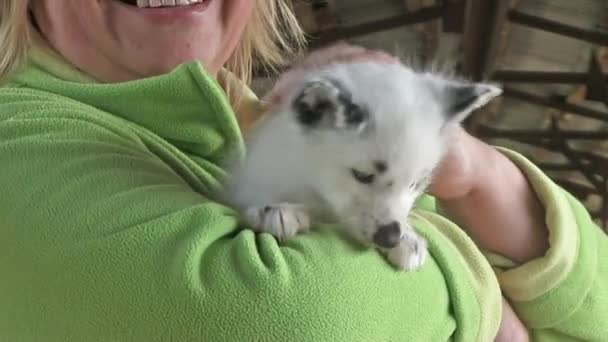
168	14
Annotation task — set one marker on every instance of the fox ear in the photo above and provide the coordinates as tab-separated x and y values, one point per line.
461	99
325	104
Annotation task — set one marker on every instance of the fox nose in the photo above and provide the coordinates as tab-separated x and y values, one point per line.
388	235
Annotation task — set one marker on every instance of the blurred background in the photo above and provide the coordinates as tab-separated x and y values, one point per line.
551	56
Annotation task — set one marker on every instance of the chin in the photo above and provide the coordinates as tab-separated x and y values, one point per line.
170	63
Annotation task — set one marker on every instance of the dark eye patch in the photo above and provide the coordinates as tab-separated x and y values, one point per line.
362	177
355	114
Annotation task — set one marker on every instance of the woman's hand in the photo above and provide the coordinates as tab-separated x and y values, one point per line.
491	199
488	196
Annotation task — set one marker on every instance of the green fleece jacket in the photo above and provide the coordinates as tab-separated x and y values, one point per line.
107	233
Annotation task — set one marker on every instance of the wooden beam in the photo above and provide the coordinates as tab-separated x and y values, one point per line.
581	191
552	166
486	36
325	14
430	30
598	162
597	88
483	34
555	104
583	166
523	76
323	38
539	134
532	21
343	33
453	16
306	17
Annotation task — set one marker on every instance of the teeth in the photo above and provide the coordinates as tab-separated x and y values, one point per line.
165	3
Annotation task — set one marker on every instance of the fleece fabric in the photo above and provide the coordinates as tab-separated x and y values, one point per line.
108	233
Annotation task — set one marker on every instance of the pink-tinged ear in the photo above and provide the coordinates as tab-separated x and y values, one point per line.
285	84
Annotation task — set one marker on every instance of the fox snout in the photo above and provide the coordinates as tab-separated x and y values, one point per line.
388	235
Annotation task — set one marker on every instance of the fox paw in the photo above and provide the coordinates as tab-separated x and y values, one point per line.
410	253
283	220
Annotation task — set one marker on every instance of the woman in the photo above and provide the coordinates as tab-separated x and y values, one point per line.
111	141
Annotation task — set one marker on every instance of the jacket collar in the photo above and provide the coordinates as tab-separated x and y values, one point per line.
186	106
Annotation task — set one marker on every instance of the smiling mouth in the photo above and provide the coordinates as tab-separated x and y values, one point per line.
161	3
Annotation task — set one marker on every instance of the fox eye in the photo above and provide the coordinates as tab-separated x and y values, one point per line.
414	185
362	177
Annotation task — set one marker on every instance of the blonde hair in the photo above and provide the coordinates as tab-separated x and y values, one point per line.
14	35
271	38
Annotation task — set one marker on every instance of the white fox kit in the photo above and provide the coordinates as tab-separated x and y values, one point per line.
354	143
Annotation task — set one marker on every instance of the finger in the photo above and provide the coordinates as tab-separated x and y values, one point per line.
511	328
375	56
340	51
346	53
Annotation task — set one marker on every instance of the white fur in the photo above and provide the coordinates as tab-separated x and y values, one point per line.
294	176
